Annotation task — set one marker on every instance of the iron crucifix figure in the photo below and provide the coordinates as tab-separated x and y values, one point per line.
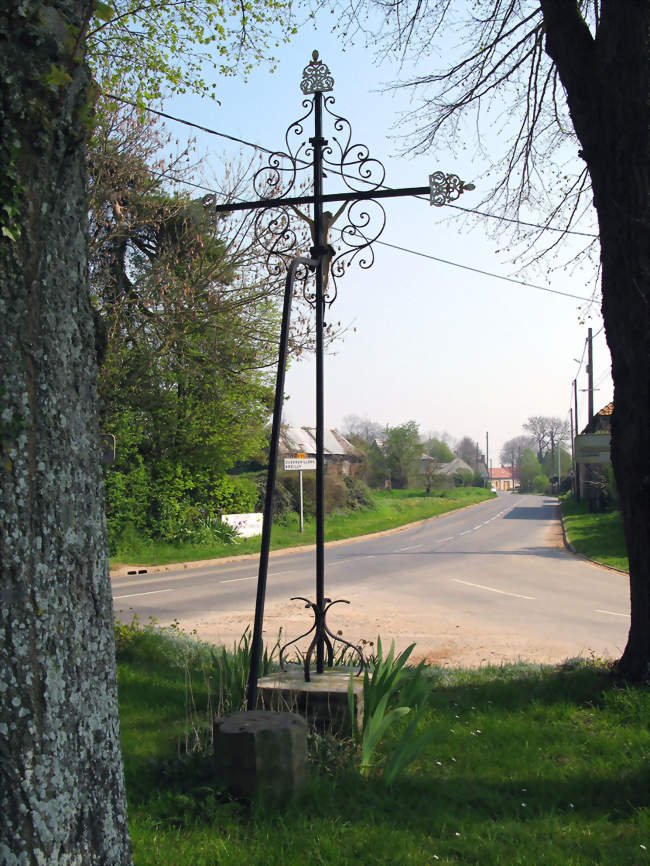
327	222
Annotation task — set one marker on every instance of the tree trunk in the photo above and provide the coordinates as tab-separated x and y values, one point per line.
607	84
61	786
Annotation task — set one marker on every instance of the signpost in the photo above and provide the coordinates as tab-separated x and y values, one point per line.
299	463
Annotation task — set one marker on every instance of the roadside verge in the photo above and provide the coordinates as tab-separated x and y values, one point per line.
589	559
129	570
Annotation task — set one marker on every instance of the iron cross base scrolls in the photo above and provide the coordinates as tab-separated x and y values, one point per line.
321	633
273	226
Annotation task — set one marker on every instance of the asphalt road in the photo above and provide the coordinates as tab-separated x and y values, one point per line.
490	583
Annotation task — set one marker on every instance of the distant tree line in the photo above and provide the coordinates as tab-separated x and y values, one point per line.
396	456
533	456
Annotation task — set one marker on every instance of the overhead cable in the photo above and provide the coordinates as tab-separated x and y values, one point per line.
263	149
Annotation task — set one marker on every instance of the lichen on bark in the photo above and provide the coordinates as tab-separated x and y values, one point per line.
61	791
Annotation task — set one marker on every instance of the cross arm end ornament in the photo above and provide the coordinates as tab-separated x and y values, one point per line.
445	188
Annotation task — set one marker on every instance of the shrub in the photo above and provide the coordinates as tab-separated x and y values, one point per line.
336	493
358	493
541	484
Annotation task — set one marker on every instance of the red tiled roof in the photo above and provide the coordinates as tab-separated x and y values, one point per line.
500	473
607	410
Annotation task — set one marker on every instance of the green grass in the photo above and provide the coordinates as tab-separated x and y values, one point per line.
393	508
598	536
529	765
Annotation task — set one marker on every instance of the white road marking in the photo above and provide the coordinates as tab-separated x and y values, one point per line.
410	547
611	613
492	589
467	532
136	594
237	579
450	538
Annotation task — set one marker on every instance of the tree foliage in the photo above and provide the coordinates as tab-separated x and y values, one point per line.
512	450
548	433
439	450
467	450
147	46
188	338
529	470
362	428
402	448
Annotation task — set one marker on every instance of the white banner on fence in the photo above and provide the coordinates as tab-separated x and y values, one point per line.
245	524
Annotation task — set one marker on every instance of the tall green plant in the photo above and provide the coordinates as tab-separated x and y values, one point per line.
390	692
230	672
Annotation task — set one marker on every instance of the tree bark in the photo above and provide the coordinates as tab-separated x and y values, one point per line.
61	787
606	79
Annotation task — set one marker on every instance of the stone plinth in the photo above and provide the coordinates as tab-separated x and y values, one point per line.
261	753
323	701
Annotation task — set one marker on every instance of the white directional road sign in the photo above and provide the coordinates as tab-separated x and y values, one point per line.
295	463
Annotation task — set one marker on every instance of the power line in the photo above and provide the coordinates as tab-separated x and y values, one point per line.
263	149
582	358
482	272
523	222
190	123
421	254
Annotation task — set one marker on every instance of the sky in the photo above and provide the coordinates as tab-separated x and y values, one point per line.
457	351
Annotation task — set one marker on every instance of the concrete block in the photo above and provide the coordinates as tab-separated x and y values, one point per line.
323	701
261	753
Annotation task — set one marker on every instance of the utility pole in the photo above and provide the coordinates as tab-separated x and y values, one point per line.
590	373
575	413
573	455
487	454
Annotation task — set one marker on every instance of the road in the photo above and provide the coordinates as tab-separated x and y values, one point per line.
488	584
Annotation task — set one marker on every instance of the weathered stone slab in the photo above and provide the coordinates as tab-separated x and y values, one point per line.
261	753
323	701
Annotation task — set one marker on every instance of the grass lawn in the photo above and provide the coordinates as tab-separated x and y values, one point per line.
598	536
392	508
528	765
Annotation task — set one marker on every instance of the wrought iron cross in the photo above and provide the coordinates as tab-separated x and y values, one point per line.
364	178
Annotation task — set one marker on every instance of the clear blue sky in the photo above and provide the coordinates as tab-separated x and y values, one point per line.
453	350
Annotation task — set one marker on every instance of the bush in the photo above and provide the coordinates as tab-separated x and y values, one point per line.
336	493
172	502
541	484
358	493
463	478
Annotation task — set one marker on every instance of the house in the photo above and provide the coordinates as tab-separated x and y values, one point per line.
428	466
592	456
341	457
602	421
502	478
456	465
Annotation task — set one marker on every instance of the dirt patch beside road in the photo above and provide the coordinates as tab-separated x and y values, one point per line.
464	640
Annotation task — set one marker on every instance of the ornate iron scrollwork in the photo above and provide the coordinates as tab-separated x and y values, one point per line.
316	77
321	631
445	188
357	224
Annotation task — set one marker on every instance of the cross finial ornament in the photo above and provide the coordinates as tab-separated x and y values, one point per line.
316	76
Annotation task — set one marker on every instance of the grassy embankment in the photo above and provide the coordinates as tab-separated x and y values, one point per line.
392	508
528	764
598	536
